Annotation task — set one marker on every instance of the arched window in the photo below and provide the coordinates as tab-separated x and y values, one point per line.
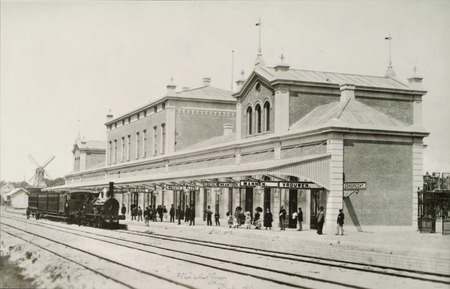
258	118
267	116
249	120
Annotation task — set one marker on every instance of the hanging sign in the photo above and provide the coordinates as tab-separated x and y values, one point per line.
173	187
355	186
221	184
295	185
266	184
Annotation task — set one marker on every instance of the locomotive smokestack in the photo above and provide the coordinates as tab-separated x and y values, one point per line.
111	189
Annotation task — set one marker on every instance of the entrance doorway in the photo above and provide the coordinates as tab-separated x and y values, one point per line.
191	201
267	197
249	200
292	208
134	200
315	198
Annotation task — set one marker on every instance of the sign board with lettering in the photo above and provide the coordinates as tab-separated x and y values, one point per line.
355	186
221	184
266	184
174	187
296	185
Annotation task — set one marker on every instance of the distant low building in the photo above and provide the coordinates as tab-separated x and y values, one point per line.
17	198
88	154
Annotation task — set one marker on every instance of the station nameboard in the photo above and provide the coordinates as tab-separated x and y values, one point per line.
283	185
221	184
269	184
295	185
173	187
355	186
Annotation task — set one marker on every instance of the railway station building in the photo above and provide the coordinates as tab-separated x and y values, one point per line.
287	137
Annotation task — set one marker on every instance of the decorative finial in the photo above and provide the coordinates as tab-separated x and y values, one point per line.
242	73
415	69
390	71
390	39
282	58
78	129
259	24
171	80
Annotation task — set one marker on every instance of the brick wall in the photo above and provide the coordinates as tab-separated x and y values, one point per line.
252	98
401	110
300	104
194	125
146	123
93	159
387	169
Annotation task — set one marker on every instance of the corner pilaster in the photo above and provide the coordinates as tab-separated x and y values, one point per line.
335	194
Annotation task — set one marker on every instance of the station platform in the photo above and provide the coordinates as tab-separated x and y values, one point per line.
397	247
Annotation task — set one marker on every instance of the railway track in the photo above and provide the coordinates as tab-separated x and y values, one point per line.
235	258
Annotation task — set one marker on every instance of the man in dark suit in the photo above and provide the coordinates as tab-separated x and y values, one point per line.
320	220
192	217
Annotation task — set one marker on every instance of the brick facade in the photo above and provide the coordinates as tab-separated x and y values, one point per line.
251	99
195	125
301	104
401	110
146	123
94	159
387	170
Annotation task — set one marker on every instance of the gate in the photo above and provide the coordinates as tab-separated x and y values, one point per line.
434	204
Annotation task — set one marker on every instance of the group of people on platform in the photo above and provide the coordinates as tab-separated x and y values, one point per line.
235	220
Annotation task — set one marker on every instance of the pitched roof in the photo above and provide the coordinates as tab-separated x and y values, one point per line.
350	112
207	92
331	78
201	93
90	144
213	141
13	192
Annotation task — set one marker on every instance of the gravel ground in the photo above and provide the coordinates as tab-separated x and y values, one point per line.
45	270
12	275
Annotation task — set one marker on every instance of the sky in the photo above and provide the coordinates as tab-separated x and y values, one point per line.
65	64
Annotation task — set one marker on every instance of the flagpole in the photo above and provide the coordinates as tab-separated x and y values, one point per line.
232	68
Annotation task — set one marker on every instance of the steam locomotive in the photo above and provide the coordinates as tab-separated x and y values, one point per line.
82	207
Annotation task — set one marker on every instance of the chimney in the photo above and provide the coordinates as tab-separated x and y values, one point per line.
415	81
171	88
206	81
227	128
109	116
347	92
282	66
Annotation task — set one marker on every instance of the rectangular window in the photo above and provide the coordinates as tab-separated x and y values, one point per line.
144	143
155	141
163	138
115	151
123	150
109	152
128	147
137	145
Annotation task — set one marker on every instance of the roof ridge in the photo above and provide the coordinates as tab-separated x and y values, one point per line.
343	108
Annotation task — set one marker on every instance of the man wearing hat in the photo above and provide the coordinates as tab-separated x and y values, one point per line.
320	220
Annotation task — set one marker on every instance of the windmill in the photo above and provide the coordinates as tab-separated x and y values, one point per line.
40	172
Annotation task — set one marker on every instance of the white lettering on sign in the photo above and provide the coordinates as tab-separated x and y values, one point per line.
295	185
174	188
355	186
269	184
249	184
